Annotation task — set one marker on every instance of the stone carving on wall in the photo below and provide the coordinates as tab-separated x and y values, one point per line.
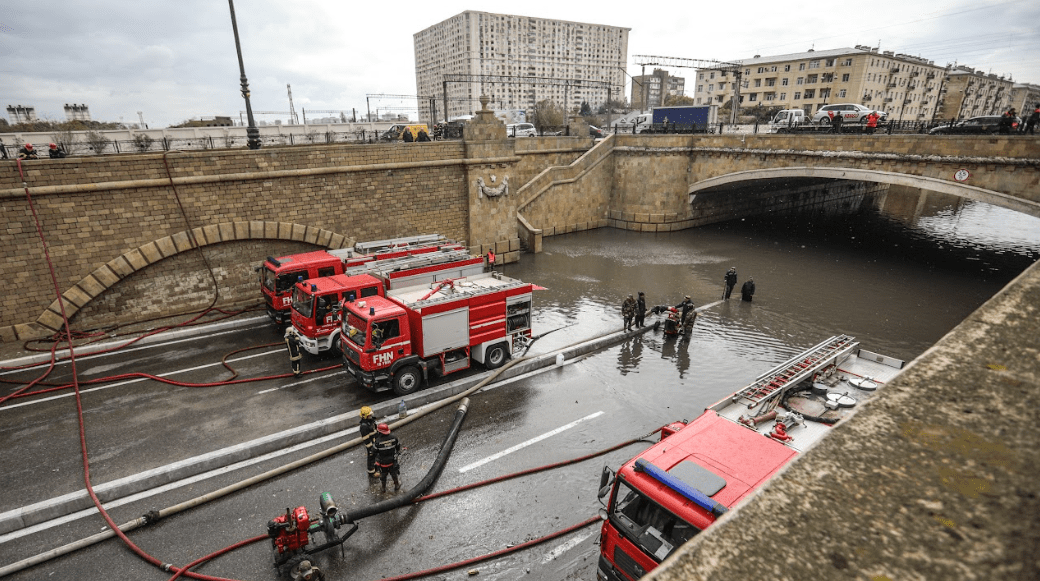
493	191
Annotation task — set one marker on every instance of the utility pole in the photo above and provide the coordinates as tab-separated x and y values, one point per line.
642	77
252	133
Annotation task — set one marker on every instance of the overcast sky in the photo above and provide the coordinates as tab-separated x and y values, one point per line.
175	60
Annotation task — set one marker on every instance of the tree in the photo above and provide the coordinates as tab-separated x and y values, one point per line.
142	142
585	110
547	114
677	100
614	106
97	141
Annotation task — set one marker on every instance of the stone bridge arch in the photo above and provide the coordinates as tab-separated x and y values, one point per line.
868	175
112	272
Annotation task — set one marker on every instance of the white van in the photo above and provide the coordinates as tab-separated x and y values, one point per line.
787	118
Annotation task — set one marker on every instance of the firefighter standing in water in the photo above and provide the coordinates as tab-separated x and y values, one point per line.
628	311
387	448
491	260
292	342
367	427
731	281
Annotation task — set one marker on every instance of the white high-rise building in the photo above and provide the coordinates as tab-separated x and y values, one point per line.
570	62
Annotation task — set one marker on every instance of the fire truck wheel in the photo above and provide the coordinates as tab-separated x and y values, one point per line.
336	347
495	356
406	380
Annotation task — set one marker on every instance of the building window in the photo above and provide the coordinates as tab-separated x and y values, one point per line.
841	93
830	63
753	97
711	87
770	96
700	88
770	82
772	69
801	66
845	78
783	96
799	81
783	82
747	71
711	76
810	79
814	64
810	93
848	62
758	82
761	69
797	95
787	68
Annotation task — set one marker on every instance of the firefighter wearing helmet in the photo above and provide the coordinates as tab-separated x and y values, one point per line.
55	152
387	448
367	427
27	152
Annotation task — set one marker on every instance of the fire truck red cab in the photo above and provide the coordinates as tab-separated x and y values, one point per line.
278	276
663	497
315	307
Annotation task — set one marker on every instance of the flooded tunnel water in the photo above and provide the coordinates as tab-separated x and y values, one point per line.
898	277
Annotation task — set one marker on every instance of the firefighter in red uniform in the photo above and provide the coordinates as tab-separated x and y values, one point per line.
387	448
491	260
367	427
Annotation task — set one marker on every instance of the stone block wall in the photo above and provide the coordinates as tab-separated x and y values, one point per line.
89	225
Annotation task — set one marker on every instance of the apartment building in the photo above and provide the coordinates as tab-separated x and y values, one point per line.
651	90
904	86
1025	97
970	93
533	59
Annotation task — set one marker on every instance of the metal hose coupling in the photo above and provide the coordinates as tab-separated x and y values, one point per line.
464	405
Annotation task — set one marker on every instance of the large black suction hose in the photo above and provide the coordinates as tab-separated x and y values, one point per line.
425	483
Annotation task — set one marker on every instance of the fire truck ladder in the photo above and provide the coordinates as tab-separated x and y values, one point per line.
406	262
797	369
398	243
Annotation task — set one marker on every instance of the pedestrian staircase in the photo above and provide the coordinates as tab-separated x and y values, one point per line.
797	369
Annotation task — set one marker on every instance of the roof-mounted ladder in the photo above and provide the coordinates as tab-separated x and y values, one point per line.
797	369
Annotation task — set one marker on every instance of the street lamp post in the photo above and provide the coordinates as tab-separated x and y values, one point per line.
252	133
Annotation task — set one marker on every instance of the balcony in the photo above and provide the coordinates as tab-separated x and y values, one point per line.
914	74
866	98
887	100
893	85
907	101
927	89
894	70
930	76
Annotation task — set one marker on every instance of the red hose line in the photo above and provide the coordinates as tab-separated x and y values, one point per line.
494	554
184	570
528	471
79	403
170	381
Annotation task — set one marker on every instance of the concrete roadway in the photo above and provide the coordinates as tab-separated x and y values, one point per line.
134	426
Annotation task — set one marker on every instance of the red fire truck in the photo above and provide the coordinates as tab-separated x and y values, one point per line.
279	275
316	302
697	471
402	340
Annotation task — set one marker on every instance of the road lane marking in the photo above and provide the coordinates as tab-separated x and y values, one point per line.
522	445
301	382
560	550
140	379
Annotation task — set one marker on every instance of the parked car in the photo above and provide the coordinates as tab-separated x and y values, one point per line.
596	131
521	130
850	112
983	125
